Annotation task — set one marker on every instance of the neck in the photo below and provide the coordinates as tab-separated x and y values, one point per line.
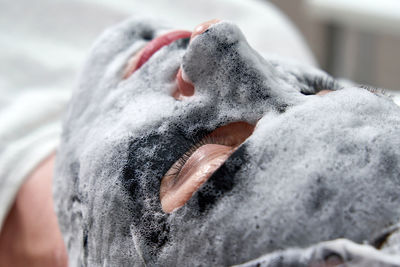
30	234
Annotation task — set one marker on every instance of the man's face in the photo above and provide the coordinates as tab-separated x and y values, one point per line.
315	167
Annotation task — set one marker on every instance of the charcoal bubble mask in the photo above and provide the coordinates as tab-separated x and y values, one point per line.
312	168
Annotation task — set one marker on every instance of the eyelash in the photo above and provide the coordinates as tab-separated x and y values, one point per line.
325	83
321	83
193	146
313	85
374	90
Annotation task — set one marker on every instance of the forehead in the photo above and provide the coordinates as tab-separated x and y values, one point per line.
121	136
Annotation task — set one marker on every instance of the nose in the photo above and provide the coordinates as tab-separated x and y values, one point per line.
185	86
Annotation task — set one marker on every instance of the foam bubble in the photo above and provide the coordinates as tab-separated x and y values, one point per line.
316	168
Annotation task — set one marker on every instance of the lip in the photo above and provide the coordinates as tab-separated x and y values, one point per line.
152	47
182	181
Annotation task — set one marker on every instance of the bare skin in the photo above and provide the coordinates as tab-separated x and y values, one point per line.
31	235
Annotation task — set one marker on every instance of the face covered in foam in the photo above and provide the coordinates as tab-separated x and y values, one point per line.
315	168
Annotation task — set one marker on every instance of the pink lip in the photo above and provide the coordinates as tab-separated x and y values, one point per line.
155	45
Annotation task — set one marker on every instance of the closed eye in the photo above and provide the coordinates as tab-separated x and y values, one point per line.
316	85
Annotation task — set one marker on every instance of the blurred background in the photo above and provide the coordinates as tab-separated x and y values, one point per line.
353	39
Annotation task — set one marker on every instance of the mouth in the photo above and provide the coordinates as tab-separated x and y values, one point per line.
151	48
198	164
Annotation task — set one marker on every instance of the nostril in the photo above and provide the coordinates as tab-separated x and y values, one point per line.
184	86
203	27
147	35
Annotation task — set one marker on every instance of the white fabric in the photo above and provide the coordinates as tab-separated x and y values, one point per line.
43	44
29	131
